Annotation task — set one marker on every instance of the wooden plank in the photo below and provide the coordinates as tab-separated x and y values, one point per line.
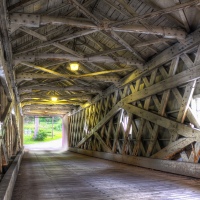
171	166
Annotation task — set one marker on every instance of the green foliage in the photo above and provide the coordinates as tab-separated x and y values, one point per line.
42	134
58	126
28	139
29	119
45	126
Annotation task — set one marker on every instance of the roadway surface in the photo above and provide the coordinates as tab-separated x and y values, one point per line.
54	175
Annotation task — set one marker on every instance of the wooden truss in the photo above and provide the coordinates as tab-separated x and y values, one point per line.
149	115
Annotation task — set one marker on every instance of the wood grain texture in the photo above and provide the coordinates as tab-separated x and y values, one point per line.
51	175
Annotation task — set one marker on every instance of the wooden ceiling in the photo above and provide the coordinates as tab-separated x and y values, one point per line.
108	38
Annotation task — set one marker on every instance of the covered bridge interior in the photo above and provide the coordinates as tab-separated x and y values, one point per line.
134	99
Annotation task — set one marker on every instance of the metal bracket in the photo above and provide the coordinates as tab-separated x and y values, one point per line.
25	19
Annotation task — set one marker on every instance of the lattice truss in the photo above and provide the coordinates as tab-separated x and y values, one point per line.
151	116
10	142
139	65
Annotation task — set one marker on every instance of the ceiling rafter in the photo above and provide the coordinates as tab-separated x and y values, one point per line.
130	34
99	23
71	12
60	97
157	13
58	39
20	4
54	88
97	59
37	20
89	77
82	31
183	17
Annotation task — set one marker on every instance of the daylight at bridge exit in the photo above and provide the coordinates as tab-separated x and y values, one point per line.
99	100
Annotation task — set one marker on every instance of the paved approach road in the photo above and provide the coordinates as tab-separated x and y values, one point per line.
52	145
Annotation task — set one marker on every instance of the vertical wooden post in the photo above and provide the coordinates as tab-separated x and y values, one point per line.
21	129
36	126
52	126
65	132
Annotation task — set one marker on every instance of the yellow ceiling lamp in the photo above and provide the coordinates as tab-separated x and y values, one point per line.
74	66
54	98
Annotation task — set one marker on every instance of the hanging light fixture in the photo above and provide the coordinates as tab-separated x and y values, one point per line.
74	66
54	98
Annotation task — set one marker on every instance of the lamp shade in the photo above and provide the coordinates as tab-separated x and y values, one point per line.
54	98
74	66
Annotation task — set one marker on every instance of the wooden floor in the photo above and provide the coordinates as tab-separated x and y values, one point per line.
48	175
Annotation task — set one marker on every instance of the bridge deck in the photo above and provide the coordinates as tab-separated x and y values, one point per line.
48	175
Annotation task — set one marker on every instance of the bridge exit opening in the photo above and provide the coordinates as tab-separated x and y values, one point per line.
42	132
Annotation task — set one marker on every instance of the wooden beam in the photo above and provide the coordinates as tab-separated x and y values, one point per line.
167	32
49	103
62	38
121	41
171	82
167	55
30	76
97	59
126	133
162	107
83	10
74	76
106	118
66	49
65	97
117	131
140	44
33	33
6	54
169	124
68	88
187	97
175	147
103	144
183	16
20	4
6	111
157	13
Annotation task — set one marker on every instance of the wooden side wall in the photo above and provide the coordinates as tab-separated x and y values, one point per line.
151	116
10	142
